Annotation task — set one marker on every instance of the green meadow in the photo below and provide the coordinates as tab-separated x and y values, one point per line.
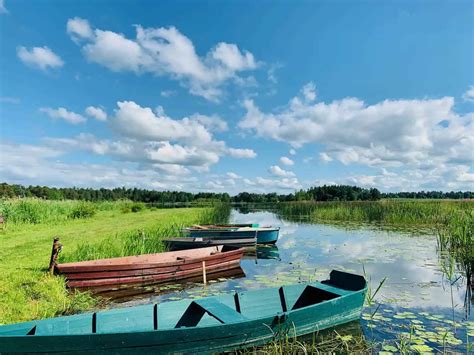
86	230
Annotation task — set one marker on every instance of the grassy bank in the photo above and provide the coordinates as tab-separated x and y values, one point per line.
407	212
27	292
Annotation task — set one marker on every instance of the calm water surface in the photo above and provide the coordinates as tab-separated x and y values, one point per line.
415	301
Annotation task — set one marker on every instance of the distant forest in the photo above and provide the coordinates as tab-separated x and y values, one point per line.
319	193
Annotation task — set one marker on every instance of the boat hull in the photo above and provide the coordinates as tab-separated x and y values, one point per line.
264	236
144	270
150	329
182	341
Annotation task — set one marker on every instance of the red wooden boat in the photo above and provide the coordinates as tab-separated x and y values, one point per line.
150	268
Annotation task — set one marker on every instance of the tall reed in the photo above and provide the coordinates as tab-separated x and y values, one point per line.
456	242
137	242
426	212
218	214
38	211
144	241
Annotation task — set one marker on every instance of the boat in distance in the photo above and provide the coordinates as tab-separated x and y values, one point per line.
212	324
148	269
264	235
200	242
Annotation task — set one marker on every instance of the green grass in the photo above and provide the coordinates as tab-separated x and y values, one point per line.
27	292
27	211
348	338
406	212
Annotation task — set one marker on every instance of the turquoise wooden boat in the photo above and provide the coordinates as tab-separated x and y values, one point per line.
206	325
264	235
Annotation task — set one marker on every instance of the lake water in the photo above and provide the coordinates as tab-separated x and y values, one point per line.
416	301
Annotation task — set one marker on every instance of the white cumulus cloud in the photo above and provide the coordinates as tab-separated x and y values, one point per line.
232	175
324	157
213	123
418	135
39	57
287	161
309	91
469	94
62	113
97	113
389	132
138	122
263	185
79	29
277	171
151	138
242	153
164	51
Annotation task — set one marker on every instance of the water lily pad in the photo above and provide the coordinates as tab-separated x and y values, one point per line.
422	348
390	348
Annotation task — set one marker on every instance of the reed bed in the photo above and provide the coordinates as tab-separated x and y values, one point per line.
456	244
23	211
219	213
407	212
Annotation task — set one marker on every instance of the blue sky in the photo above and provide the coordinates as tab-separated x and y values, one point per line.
237	95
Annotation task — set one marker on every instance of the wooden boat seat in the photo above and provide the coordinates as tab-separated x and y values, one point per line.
221	312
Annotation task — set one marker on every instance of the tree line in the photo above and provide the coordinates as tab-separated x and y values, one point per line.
317	193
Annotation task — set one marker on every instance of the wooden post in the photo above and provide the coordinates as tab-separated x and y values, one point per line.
57	246
204	278
256	246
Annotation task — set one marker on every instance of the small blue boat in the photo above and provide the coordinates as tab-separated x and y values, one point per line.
264	235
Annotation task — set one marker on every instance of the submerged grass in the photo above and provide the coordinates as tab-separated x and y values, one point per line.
407	212
27	292
348	338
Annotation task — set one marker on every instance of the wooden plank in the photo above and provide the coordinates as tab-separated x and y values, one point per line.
141	279
158	269
220	311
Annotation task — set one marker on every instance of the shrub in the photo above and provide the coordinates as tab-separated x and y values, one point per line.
83	210
137	207
133	207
